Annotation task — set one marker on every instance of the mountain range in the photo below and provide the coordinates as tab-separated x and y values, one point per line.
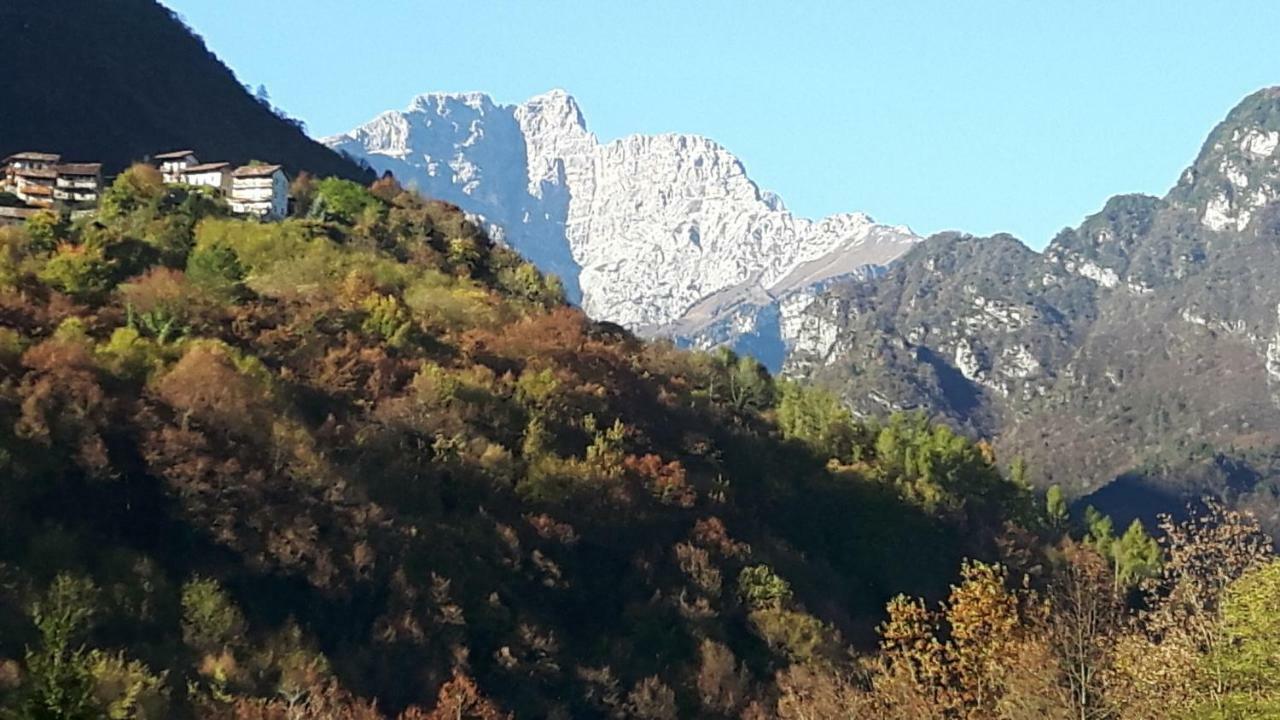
1138	353
1135	362
665	234
364	462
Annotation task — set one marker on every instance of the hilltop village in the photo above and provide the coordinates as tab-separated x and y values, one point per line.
35	181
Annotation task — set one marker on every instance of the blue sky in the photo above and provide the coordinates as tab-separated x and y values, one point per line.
1020	116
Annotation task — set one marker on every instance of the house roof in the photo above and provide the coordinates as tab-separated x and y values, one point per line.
42	173
252	171
175	155
37	156
207	167
19	213
79	169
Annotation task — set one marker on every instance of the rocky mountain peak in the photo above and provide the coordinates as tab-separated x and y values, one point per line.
1238	169
557	103
1136	362
443	102
666	234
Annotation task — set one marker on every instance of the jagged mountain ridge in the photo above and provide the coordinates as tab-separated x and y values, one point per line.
1143	345
665	234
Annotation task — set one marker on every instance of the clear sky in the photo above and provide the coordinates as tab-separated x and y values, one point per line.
1020	116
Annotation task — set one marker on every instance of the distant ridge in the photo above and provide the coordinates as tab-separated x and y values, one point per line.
118	81
1135	362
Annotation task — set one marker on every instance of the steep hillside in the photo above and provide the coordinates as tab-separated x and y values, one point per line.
664	234
257	471
120	81
1141	345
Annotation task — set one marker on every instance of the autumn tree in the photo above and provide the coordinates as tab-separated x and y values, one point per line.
978	656
1173	656
652	699
459	699
814	692
722	683
1085	618
302	189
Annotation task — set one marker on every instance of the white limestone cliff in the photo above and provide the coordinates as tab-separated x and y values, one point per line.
665	234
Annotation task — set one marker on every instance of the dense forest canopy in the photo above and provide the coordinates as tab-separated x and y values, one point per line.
366	463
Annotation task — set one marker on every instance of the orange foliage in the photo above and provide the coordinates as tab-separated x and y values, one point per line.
206	386
62	401
459	699
667	482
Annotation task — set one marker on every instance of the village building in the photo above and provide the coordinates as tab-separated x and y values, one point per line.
174	164
41	179
28	161
34	186
213	175
78	184
260	190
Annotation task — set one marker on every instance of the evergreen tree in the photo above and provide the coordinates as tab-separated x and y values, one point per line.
1055	505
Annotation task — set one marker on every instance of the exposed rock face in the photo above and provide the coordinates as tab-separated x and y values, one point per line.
1143	345
665	234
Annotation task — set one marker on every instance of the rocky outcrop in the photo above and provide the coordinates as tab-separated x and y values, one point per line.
1143	344
665	234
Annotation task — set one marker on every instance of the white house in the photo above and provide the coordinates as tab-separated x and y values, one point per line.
214	175
174	164
261	190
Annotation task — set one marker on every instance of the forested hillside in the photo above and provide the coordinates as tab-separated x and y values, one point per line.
120	81
364	463
367	450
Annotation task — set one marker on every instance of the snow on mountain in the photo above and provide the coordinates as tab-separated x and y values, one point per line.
665	234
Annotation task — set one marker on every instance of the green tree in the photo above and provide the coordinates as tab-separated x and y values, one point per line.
760	587
60	684
1099	531
46	229
818	419
135	188
747	384
217	270
211	621
342	200
1055	507
1249	660
1135	556
1018	472
81	271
